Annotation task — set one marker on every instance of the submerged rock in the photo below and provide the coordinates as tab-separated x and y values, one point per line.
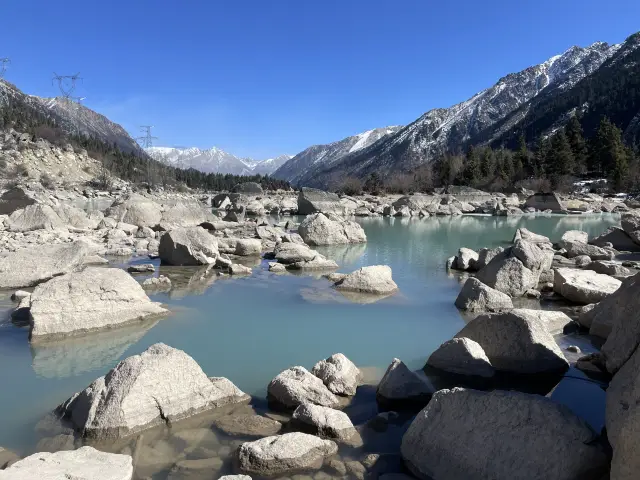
320	229
160	385
462	357
374	279
583	286
475	296
339	374
188	246
86	301
507	436
291	452
248	425
574	236
84	463
326	423
297	385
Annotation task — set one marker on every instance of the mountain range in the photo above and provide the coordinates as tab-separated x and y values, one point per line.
214	160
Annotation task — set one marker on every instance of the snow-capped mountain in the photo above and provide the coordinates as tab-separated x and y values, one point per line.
324	156
450	129
71	117
214	160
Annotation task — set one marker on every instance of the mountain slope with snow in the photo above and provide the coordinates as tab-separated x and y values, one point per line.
450	129
215	160
320	157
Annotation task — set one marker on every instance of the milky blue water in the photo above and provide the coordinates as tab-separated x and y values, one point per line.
249	329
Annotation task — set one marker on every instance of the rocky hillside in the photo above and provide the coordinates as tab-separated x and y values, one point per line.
319	157
215	160
533	101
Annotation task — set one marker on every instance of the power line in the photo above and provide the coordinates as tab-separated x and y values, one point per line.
146	141
67	86
3	65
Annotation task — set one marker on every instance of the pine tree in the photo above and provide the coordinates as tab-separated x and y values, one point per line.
472	171
522	160
573	131
608	153
488	163
560	156
542	157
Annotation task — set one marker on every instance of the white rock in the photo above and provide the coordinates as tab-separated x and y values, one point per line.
554	321
188	246
463	357
297	385
475	296
339	374
583	286
374	279
326	423
574	236
34	217
400	386
319	229
465	259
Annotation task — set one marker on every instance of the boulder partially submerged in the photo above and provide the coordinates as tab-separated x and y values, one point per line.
461	356
311	200
296	386
375	279
339	374
300	257
326	423
321	229
583	286
163	384
402	388
473	435
86	301
475	296
188	246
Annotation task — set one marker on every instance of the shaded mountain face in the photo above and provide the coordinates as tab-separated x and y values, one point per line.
488	117
319	157
71	117
214	160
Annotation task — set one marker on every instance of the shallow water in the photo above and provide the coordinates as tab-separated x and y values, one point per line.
249	329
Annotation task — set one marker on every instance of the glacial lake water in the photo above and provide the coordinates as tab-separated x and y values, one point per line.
250	329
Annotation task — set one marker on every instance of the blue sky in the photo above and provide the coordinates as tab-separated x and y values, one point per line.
259	78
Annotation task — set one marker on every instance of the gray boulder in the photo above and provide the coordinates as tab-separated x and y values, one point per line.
583	286
188	246
75	217
461	356
236	214
475	296
554	321
532	256
34	217
84	463
608	267
574	236
631	225
30	266
506	435
248	247
14	199
618	238
326	423
297	385
160	385
402	387
248	188
515	342
546	201
575	249
321	229
288	253
485	255
339	374
508	275
247	425
311	200
529	236
283	454
466	259
375	279
136	210
86	301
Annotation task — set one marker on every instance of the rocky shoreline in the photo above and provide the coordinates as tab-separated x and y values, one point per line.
158	413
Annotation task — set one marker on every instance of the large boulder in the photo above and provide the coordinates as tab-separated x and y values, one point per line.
462	357
485	255
617	237
160	385
311	200
472	435
84	463
296	386
248	188
546	201
515	342
283	454
326	423
609	267
529	236
183	214
623	419
188	246
631	225
34	217
86	301
508	275
577	249
400	387
583	286
466	259
30	266
339	374
248	247
136	210
475	296
532	256
375	279
320	229
300	257
14	199
554	321
574	236
75	217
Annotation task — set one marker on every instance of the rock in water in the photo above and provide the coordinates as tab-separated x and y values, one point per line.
623	419
618	238
326	423
34	217
508	275
515	343
86	301
631	225
84	463
248	246
188	246
160	385
475	296
403	388
462	357
296	386
339	374
320	229
574	236
466	259
291	452
583	286
311	200
31	266
485	255
375	279
473	435
529	236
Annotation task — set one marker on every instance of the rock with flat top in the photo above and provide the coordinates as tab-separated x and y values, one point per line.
188	246
321	229
297	385
311	200
326	423
289	252
86	301
515	342
577	249
466	434
374	279
462	357
283	454
553	321
574	236
84	463
475	296
141	268
162	384
339	374
248	246
608	267
583	286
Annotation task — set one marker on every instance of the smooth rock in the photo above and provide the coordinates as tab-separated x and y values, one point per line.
339	374
374	279
136	210
34	217
141	268
237	269
554	321
248	425
188	246
248	246
463	357
311	200
631	225
575	249
320	229
475	296
326	423
583	286
574	236
297	385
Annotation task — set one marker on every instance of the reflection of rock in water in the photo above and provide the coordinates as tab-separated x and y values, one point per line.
343	254
73	356
189	280
327	294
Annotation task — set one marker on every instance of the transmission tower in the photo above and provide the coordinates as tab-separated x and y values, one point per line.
3	66
147	139
67	85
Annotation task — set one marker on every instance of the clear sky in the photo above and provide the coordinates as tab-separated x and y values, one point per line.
264	77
